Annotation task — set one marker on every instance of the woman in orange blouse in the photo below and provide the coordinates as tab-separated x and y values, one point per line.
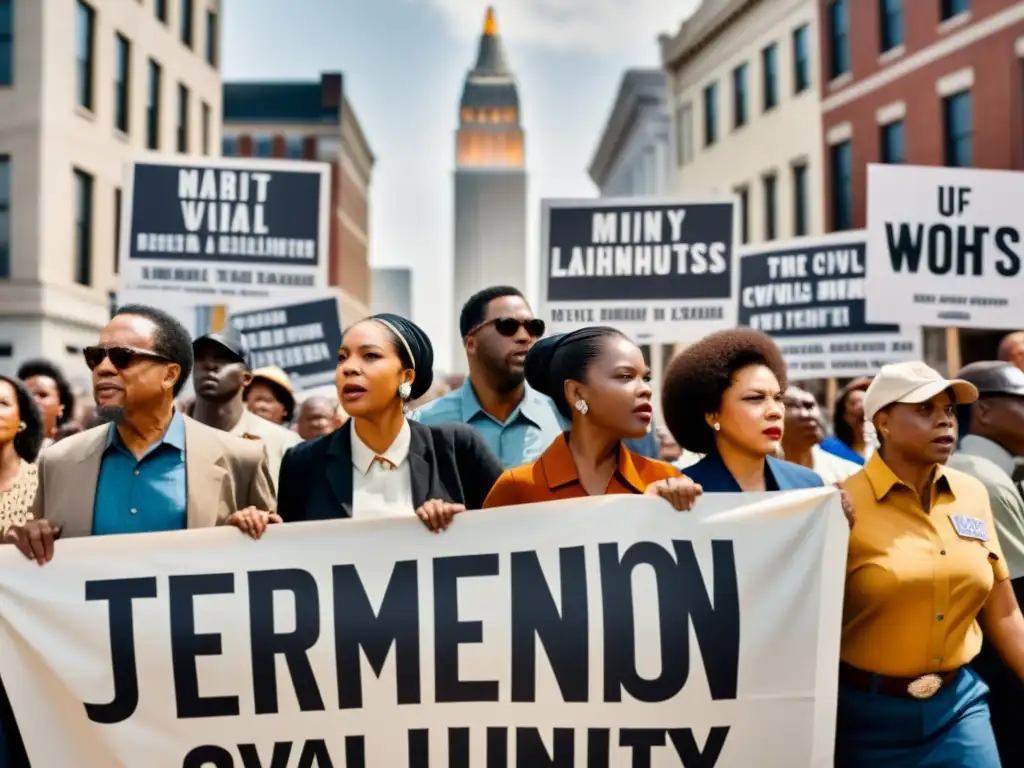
599	381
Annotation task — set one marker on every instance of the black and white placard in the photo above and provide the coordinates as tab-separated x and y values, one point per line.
808	294
302	338
945	246
224	231
660	270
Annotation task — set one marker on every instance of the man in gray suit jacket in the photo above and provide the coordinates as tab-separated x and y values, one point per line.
150	468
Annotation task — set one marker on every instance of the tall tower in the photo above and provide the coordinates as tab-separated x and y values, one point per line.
490	180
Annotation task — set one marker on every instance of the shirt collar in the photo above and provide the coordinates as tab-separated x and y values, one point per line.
883	479
534	406
363	457
560	468
173	436
989	449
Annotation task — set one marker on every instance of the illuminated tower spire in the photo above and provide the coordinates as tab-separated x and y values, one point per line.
490	23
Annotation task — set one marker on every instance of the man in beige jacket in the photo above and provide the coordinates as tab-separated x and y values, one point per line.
221	376
149	468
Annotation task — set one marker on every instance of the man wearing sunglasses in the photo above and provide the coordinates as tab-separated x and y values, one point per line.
498	328
151	468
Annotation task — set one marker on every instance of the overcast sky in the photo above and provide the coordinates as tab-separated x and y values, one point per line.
404	62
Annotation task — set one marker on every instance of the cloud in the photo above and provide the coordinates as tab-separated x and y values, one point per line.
585	26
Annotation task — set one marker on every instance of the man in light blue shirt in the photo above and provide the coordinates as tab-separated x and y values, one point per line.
153	485
498	328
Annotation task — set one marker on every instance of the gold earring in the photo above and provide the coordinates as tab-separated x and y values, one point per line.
22	426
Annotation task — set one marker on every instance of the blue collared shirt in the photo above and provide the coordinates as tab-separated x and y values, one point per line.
520	439
145	495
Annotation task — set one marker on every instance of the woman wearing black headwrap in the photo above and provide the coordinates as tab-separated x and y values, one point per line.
599	381
380	464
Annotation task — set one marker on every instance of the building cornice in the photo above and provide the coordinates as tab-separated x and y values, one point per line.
709	21
639	88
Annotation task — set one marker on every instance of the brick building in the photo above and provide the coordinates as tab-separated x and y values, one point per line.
922	82
313	121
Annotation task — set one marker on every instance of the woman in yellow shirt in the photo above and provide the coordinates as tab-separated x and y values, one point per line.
925	575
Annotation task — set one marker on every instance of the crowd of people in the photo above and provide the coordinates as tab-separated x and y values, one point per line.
932	650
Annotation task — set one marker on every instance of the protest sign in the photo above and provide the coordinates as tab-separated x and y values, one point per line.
601	632
659	270
302	338
808	294
944	247
224	231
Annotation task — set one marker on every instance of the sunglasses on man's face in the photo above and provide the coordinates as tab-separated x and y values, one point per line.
509	326
120	357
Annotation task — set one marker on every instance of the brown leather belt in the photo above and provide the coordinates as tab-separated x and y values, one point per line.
923	687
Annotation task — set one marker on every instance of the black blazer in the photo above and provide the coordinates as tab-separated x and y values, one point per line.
450	462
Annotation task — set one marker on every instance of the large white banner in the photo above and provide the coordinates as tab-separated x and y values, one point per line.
604	632
944	247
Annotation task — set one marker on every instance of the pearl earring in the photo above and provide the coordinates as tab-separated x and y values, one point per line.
405	390
582	407
22	426
718	427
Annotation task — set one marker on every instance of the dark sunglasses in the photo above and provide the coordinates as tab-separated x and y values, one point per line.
509	326
120	357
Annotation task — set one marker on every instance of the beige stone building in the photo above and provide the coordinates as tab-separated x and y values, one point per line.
744	87
84	85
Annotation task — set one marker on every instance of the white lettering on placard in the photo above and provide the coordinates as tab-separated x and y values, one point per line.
224	200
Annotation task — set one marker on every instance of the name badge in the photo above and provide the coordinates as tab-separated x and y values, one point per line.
969	527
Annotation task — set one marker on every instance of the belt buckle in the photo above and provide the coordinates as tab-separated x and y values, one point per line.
925	686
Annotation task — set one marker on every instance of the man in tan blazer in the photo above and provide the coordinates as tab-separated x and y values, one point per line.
151	468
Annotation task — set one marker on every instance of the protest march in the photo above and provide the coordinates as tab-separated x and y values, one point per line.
328	442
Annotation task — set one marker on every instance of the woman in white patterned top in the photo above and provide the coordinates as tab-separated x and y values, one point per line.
21	437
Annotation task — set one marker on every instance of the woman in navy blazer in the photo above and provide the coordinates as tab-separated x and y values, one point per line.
722	397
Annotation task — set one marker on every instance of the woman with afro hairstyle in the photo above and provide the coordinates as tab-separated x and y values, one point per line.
599	382
722	397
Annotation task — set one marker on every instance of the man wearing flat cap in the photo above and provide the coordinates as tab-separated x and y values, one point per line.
992	431
221	376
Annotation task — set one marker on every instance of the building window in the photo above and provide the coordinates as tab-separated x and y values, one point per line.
153	106
801	59
211	38
183	109
739	96
83	228
770	184
161	10
838	38
800	200
187	8
85	44
841	161
893	144
293	147
117	230
206	128
951	8
744	195
684	134
891	14
710	114
770	75
262	146
122	82
958	131
229	146
6	42
5	216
